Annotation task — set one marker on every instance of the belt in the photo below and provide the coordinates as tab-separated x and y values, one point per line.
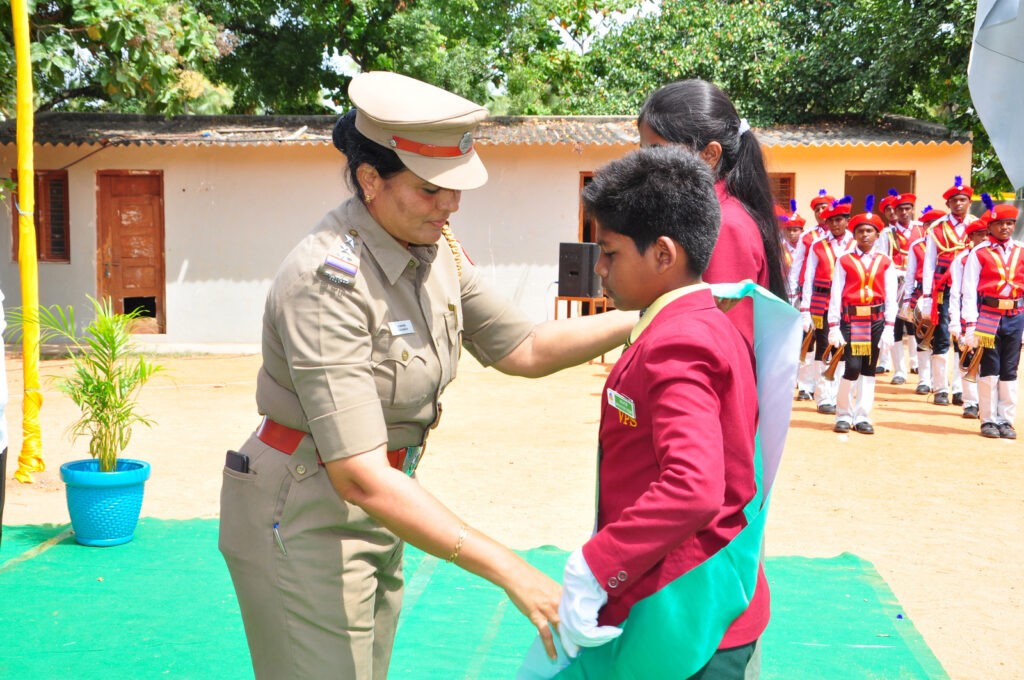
862	310
820	289
287	440
1002	303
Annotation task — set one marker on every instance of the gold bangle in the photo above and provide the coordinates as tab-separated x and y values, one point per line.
463	532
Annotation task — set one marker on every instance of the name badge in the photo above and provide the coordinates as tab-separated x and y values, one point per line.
401	327
622	403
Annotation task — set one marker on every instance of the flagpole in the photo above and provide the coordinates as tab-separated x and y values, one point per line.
31	459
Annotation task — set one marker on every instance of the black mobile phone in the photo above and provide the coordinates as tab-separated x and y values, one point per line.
237	461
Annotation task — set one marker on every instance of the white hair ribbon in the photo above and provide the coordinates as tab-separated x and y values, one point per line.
744	127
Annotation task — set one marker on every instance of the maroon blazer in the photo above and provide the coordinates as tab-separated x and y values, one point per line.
675	476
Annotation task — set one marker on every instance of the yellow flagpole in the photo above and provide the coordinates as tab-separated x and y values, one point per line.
31	459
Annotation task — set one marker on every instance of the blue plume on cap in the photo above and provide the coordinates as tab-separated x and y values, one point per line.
893	192
927	209
987	200
869	203
958	181
822	192
845	200
792	205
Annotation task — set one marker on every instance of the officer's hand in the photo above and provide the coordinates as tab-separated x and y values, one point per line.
805	319
925	306
537	597
969	339
835	337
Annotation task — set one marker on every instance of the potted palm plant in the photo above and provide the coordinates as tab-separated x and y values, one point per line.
104	493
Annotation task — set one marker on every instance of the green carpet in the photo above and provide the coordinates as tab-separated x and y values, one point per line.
162	606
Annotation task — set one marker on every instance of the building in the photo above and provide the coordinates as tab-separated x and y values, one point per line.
188	218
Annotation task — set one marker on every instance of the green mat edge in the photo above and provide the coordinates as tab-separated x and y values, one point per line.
908	633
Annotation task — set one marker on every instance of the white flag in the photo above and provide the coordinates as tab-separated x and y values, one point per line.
995	74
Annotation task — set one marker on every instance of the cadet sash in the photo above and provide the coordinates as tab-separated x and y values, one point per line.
675	631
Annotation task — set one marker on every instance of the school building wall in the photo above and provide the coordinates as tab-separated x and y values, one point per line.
816	167
231	213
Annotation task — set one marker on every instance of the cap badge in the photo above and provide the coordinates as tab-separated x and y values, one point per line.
466	143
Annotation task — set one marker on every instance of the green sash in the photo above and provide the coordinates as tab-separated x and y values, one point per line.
675	631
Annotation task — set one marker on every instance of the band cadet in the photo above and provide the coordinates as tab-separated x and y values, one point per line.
814	300
895	241
861	315
809	372
993	299
913	287
946	238
977	232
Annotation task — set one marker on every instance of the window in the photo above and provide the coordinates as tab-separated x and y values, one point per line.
783	187
53	242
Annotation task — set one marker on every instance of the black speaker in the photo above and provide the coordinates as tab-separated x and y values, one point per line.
576	277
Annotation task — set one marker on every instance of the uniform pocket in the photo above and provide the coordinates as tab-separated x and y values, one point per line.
401	370
249	502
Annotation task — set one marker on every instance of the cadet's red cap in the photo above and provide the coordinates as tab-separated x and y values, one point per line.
958	188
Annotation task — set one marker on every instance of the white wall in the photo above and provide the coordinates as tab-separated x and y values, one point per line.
232	213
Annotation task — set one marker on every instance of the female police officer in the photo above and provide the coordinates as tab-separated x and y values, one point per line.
362	331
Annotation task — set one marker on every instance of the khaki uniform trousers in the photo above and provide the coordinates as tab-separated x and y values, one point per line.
329	607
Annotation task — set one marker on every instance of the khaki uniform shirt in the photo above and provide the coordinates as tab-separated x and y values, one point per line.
360	359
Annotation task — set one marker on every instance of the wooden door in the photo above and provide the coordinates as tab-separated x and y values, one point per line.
130	244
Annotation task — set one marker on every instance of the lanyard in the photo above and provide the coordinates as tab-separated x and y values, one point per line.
1006	278
868	287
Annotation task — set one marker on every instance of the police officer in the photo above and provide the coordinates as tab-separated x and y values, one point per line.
362	330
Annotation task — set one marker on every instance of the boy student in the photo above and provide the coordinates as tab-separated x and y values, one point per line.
679	415
992	315
821	264
861	314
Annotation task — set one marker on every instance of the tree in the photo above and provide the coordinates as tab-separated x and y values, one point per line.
124	55
793	61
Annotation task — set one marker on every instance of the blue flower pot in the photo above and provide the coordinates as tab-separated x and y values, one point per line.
104	506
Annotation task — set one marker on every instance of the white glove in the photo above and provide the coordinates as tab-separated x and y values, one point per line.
835	337
887	340
955	329
925	305
805	319
582	599
969	339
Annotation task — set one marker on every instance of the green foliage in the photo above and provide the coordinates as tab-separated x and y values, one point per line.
781	61
106	375
141	56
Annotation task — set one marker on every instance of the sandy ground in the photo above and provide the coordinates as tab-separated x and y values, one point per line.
937	509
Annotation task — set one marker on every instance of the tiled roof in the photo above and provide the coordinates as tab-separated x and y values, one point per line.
577	131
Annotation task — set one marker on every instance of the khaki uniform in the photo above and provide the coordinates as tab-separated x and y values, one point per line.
355	360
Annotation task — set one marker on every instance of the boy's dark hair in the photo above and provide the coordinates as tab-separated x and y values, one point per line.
658	191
